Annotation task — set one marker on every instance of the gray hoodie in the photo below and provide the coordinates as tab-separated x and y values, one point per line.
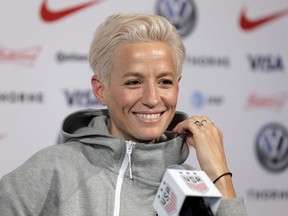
95	173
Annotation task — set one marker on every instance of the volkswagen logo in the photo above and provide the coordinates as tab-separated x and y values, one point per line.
272	147
181	13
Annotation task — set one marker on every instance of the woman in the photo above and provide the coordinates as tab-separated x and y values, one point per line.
112	161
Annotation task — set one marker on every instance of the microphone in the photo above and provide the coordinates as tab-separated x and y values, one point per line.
184	192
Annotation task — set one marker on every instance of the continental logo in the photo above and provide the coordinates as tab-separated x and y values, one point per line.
62	57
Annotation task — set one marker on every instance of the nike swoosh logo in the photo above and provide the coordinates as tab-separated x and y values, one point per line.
250	24
49	15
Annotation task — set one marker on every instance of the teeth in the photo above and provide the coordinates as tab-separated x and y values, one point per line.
148	116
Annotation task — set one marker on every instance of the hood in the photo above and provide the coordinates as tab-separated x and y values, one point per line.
95	123
86	123
90	127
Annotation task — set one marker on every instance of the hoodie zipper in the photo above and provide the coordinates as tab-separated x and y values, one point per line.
124	165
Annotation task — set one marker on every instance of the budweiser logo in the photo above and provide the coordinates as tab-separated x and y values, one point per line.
273	102
25	57
2	136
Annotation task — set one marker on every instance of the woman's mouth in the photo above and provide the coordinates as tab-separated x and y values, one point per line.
148	116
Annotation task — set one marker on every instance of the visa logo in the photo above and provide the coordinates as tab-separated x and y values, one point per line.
266	63
80	98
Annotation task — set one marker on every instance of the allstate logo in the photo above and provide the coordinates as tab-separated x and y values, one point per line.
181	13
272	147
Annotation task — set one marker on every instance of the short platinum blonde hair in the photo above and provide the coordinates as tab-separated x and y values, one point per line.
126	28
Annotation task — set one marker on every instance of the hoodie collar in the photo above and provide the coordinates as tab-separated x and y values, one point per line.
149	161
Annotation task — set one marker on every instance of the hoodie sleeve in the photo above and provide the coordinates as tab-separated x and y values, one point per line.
8	205
19	194
30	189
232	207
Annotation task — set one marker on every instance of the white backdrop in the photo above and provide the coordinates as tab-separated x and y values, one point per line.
235	74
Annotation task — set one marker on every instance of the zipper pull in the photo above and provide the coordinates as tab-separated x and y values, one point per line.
129	148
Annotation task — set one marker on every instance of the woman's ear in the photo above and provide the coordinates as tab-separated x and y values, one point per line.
98	89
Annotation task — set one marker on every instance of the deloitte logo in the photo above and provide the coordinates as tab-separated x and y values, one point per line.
272	147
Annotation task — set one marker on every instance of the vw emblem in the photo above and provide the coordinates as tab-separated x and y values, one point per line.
272	147
181	13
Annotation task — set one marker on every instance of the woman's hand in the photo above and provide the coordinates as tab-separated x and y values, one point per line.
207	140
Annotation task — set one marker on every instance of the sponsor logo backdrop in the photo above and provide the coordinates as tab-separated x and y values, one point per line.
235	73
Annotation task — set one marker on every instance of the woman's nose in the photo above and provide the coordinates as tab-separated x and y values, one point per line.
150	95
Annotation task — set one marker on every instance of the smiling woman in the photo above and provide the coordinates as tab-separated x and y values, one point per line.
112	160
142	92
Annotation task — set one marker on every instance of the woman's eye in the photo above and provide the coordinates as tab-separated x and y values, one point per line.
132	82
166	82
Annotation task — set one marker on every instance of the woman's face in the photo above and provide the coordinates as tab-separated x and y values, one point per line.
142	92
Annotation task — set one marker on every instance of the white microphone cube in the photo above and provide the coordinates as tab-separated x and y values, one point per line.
179	184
